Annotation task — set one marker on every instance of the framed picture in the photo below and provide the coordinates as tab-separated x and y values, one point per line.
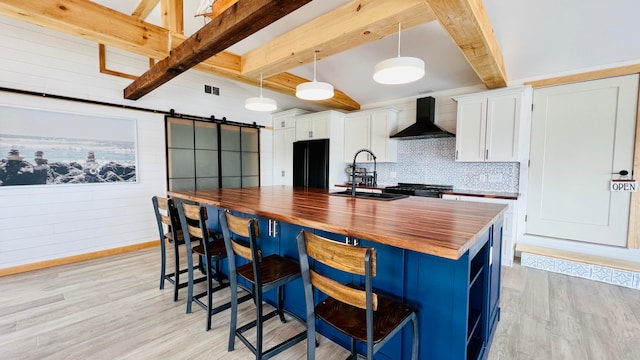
42	147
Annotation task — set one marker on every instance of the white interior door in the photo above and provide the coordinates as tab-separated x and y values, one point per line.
582	135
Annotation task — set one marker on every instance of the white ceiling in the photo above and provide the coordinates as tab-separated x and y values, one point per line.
537	39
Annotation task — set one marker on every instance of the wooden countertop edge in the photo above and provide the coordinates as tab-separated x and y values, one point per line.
435	250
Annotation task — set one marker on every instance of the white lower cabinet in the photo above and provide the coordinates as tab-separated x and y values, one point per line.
509	226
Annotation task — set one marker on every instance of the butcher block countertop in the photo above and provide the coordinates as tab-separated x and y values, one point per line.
426	225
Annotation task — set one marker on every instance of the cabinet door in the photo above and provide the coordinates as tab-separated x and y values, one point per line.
356	137
502	128
304	128
283	156
320	127
379	137
471	130
314	126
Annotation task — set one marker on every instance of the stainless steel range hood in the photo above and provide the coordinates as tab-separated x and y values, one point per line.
424	128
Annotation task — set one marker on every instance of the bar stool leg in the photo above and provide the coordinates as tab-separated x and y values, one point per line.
354	354
209	294
280	312
234	312
176	271
414	343
190	282
163	264
258	322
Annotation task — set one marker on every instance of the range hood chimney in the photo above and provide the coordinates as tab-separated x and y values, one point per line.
424	127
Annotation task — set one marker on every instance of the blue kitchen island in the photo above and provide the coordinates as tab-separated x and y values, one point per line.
442	257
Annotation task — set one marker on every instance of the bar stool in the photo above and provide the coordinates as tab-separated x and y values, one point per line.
264	274
359	313
193	220
167	216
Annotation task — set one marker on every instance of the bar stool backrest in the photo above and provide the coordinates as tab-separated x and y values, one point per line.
352	259
246	228
193	218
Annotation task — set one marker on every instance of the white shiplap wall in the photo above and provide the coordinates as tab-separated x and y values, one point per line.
40	223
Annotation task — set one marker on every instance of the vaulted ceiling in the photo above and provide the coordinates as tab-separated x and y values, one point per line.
454	37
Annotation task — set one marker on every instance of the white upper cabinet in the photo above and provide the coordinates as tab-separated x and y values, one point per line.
371	130
490	125
314	126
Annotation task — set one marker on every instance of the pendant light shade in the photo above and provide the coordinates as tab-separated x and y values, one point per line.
260	103
399	70
314	90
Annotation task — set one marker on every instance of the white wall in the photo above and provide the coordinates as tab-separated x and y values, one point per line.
52	221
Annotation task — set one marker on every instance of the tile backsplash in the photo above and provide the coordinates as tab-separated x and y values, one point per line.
432	161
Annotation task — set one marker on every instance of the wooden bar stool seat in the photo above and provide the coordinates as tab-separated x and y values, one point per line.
349	319
273	269
263	274
359	313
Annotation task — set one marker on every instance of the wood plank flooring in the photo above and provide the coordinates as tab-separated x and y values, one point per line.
111	308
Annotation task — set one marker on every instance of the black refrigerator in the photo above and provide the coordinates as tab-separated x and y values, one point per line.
311	163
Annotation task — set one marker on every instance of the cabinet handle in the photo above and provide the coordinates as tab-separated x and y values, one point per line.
282	124
456	154
274	232
310	134
269	231
282	173
486	154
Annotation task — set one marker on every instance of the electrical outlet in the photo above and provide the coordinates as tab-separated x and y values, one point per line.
207	89
215	90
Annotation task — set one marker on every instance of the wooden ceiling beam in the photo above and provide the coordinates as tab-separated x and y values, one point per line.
468	24
236	23
349	26
286	83
91	21
144	8
172	15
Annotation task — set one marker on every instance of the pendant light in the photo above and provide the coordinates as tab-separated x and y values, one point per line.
314	90
399	70
260	103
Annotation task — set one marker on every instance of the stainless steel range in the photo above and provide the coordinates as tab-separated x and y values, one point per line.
424	190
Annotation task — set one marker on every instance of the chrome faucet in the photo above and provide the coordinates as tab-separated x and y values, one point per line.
353	171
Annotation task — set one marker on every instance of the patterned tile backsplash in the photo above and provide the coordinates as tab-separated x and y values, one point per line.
432	161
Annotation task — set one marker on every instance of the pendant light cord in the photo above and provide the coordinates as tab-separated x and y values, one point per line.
399	30
314	64
260	84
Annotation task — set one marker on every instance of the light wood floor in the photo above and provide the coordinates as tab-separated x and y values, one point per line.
111	308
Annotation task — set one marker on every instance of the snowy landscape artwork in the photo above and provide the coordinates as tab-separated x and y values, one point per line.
39	147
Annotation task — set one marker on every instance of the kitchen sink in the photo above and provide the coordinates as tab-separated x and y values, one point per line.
370	195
